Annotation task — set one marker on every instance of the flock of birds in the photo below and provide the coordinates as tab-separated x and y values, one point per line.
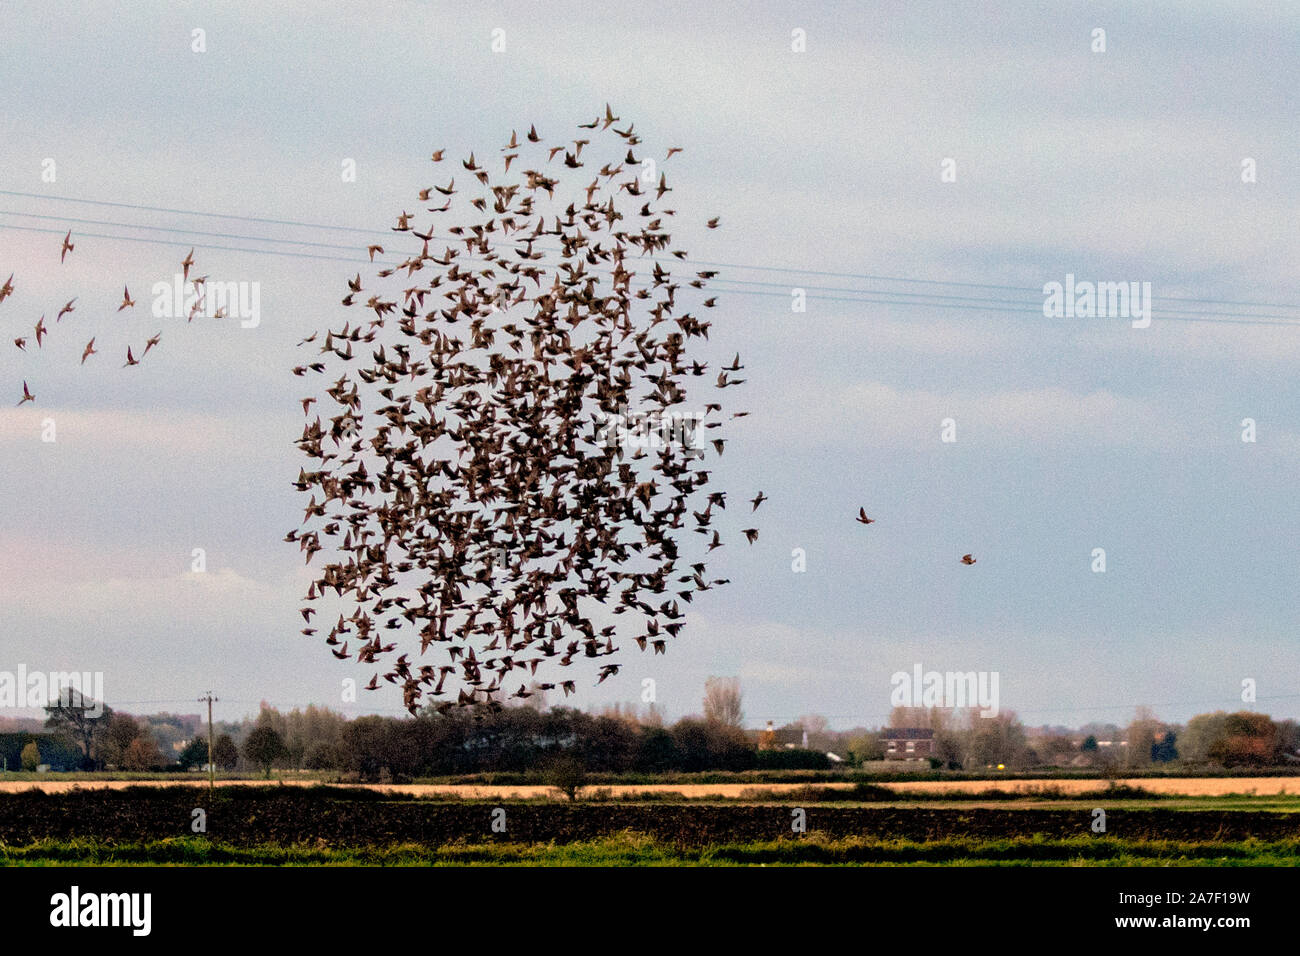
463	482
460	483
42	331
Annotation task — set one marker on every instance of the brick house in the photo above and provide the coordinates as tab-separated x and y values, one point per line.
907	743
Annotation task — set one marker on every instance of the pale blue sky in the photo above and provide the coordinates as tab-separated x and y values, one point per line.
1072	434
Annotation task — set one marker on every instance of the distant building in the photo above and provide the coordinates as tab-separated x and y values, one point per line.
907	743
782	738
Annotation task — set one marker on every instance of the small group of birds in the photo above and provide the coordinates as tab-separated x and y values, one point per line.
863	519
41	331
461	482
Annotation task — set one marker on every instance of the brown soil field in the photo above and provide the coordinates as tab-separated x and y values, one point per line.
1178	786
294	815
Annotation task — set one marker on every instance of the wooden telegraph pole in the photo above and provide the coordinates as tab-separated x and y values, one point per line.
212	770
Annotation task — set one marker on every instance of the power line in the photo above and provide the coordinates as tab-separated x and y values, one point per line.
186	212
915	299
197	245
187	232
728	265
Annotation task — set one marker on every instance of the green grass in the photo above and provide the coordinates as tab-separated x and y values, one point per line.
630	849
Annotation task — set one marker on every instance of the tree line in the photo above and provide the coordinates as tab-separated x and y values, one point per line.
630	740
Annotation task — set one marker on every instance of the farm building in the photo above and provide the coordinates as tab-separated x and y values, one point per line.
907	743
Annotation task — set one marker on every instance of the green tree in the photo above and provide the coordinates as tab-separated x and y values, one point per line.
364	748
864	748
567	774
83	719
195	753
322	756
311	734
31	756
656	750
1164	749
224	752
1203	736
264	747
711	745
122	729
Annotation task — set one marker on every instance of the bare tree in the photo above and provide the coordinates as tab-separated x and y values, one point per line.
722	701
1142	735
813	723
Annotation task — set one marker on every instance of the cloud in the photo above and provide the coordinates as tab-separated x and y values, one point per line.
104	430
220	591
874	414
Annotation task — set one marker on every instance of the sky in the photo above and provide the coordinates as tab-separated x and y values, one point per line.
826	167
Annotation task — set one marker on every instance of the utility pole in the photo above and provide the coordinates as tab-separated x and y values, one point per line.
212	770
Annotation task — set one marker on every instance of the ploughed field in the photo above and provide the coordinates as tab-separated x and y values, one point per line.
356	817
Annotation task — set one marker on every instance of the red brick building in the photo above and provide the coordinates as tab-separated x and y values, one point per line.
907	743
